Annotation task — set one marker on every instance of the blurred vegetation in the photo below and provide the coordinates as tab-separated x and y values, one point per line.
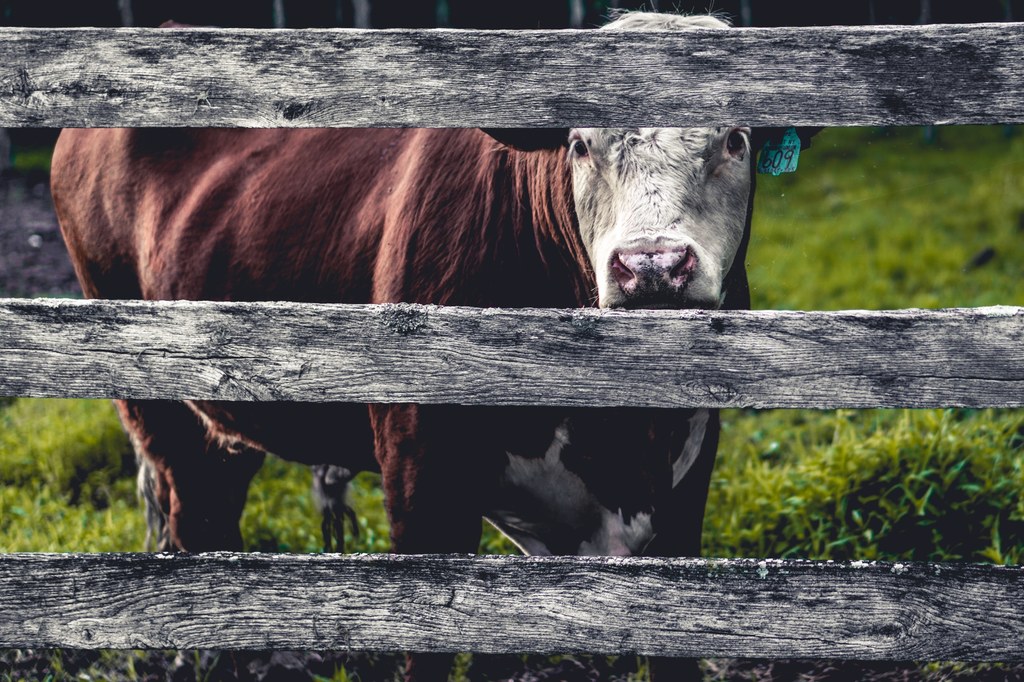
31	159
66	479
872	219
882	219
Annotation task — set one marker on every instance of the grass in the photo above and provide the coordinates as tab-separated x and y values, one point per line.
882	220
66	479
908	485
872	219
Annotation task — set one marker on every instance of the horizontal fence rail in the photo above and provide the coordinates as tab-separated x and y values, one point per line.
674	607
970	357
820	76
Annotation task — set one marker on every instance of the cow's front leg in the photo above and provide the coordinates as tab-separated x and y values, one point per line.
434	467
679	534
199	486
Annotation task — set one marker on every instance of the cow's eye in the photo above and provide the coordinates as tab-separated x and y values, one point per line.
578	147
735	144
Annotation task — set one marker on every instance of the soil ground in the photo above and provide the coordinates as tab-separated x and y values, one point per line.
33	259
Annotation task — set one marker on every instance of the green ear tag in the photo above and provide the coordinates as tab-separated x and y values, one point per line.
781	157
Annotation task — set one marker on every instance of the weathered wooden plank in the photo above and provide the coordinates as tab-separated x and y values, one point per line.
678	607
430	354
877	75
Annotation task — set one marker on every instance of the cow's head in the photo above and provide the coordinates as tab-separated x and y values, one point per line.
663	212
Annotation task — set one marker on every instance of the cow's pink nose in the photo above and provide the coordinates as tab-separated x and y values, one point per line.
647	273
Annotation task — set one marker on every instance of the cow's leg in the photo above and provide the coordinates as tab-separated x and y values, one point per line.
147	486
680	537
199	485
330	493
434	468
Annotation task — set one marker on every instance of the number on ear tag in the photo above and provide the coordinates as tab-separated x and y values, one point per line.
781	157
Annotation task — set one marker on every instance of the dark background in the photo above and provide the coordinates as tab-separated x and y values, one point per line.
488	13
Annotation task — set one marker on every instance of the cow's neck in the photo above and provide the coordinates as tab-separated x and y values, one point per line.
543	184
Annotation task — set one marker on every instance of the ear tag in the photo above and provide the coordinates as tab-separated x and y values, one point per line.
781	157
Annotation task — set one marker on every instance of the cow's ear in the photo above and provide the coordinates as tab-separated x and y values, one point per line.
530	139
761	136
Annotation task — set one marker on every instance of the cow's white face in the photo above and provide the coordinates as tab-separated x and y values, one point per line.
662	211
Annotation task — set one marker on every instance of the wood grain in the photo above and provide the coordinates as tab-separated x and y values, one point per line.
815	76
408	353
677	607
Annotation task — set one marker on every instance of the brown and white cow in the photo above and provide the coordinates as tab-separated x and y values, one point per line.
636	218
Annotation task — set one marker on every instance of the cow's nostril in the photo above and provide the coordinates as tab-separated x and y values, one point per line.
622	272
684	268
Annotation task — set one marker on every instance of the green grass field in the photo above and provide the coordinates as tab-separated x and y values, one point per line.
872	219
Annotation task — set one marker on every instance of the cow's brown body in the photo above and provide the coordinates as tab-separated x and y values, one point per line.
358	216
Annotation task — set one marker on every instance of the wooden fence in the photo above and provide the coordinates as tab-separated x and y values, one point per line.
692	607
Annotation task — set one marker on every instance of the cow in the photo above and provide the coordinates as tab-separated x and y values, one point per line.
618	218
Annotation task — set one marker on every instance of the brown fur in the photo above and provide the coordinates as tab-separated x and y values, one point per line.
328	215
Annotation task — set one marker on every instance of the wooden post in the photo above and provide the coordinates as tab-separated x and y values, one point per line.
866	75
361	13
746	13
576	13
930	132
127	18
1008	130
5	150
306	352
926	12
770	608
